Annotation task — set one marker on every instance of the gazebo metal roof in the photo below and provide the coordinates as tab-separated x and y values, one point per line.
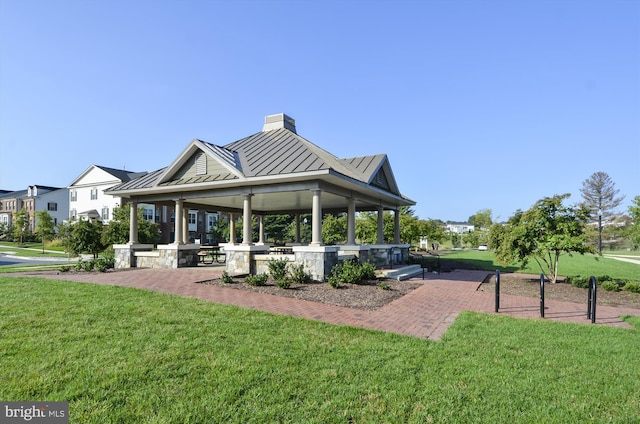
277	166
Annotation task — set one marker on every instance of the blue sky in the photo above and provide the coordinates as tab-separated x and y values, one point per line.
478	104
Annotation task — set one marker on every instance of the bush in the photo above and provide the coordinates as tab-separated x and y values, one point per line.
107	261
384	285
610	286
283	283
65	268
299	275
226	278
84	265
352	271
257	280
578	281
278	268
334	280
632	286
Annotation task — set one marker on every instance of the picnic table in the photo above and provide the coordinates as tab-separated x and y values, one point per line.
208	254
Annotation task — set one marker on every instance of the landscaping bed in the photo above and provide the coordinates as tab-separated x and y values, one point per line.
369	296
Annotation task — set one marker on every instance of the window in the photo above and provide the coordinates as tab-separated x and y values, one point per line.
74	195
147	214
212	218
73	214
51	206
94	194
193	216
105	213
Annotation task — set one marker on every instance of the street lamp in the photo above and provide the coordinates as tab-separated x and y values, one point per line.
600	232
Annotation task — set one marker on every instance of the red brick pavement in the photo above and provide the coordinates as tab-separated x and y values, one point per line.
425	312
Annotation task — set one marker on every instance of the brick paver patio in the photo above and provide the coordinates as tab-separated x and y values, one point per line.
425	312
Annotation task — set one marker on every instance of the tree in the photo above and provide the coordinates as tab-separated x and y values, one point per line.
599	194
117	231
634	228
44	227
20	225
334	229
277	228
481	219
86	237
543	233
433	230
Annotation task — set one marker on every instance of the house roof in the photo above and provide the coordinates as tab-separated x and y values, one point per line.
118	174
278	165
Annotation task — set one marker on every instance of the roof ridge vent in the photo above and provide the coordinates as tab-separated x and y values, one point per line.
277	121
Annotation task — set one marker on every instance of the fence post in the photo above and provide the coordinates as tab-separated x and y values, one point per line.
497	289
591	308
542	295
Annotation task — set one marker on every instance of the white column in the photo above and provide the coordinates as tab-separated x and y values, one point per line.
246	220
396	226
351	221
316	219
260	229
177	225
133	223
232	228
380	225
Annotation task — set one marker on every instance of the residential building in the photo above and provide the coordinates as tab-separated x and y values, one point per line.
459	227
54	200
87	199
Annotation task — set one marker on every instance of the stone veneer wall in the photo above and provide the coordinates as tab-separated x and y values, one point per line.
166	256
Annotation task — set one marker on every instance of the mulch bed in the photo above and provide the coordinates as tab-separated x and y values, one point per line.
366	296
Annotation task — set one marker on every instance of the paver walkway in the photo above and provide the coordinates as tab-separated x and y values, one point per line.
425	312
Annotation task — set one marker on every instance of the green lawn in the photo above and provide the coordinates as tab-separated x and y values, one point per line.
584	265
33	250
122	355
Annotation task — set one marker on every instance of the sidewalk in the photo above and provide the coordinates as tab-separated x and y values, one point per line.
425	312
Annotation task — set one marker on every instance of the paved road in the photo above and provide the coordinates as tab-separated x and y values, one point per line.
17	260
625	258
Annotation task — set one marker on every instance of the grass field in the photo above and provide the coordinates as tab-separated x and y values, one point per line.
121	355
33	250
585	265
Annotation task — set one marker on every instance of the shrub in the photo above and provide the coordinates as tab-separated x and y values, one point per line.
84	265
257	280
226	278
65	268
352	271
278	268
384	285
578	281
610	285
107	261
299	275
283	283
632	286
334	280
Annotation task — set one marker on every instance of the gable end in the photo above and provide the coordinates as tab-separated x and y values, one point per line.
200	167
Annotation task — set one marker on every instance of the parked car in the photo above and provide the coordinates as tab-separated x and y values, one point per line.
483	247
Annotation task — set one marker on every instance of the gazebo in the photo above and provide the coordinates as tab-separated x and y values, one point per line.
274	171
